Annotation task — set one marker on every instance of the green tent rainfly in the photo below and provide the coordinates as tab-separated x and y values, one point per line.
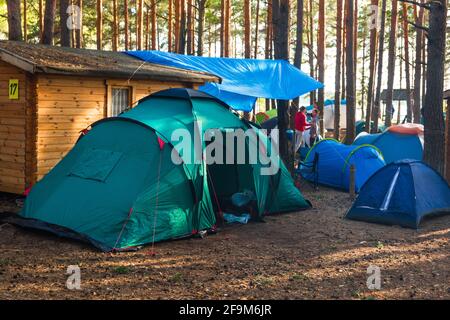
119	188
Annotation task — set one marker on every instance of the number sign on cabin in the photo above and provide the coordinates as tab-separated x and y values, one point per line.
13	89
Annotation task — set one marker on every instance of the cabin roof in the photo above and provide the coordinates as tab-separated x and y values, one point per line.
38	58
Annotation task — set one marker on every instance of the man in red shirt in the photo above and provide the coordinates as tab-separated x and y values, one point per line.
300	126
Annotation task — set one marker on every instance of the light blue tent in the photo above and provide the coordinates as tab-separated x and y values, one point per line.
395	146
243	80
335	159
402	193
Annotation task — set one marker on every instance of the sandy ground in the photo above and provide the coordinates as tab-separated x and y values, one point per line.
313	254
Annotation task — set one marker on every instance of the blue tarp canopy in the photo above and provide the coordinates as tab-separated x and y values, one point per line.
243	80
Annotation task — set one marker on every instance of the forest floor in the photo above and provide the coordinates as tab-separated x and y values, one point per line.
313	254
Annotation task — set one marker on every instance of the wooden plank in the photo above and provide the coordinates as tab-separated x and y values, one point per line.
63	126
11	121
99	104
95	111
13	151
17	181
12	158
7	187
73	90
64	81
12	172
56	140
12	129
93	98
57	119
4	143
62	148
11	165
12	136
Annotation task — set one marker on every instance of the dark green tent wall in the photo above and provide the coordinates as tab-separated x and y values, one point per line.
119	188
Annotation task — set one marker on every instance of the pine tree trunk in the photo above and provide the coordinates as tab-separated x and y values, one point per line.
372	66
49	22
321	60
350	76
391	65
99	24
201	21
147	28
418	67
25	25
312	95
280	18
182	31
256	29
79	29
127	23
153	21
41	19
299	41
407	71
64	16
247	29
115	37
189	22
434	138
376	105
337	79
14	20
140	24
268	30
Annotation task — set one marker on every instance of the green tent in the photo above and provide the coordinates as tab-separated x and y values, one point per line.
119	186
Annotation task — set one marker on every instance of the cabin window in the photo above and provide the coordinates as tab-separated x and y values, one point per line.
120	100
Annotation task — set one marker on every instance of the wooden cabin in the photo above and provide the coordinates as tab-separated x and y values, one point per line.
49	94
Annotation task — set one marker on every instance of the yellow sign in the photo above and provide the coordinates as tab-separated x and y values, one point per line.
13	89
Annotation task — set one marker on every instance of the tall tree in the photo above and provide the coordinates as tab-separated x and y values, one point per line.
25	21
79	29
247	29
177	25
99	24
115	27
373	62
256	29
189	25
14	20
140	24
280	18
269	29
225	45
41	19
321	59
299	35
418	64
434	137
49	22
169	27
407	62
337	80
201	5
126	26
64	16
350	76
153	22
391	65
376	105
312	94
182	31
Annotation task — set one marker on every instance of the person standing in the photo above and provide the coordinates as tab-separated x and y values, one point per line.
314	127
300	126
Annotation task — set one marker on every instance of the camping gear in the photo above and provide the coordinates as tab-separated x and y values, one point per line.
266	115
125	183
401	193
231	218
404	141
243	80
334	163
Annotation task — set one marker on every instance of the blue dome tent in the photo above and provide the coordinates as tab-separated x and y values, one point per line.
402	193
395	143
335	159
